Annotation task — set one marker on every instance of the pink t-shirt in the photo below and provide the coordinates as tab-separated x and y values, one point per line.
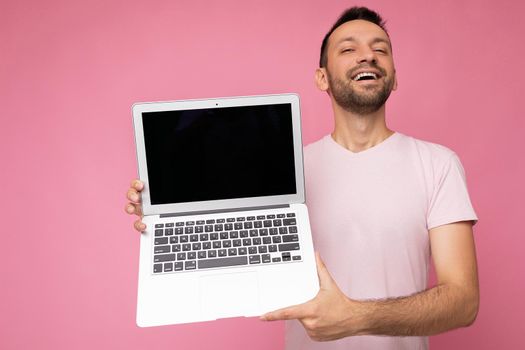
370	214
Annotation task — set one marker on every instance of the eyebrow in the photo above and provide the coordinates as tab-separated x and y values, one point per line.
374	41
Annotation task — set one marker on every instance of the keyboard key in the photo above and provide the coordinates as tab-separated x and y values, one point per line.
181	256
210	221
237	243
222	252
206	245
199	229
280	216
203	237
174	240
238	226
178	224
230	220
252	250
192	255
178	230
288	222
226	244
164	257
254	233
273	231
263	232
267	223
176	248
292	229
169	232
162	249
186	247
224	235
290	238
247	242
240	219
169	224
214	236
161	240
194	238
290	215
159	225
261	217
232	251
168	267
265	258
272	248
228	227
288	247
212	253
277	222
296	257
216	244
190	265
257	241
262	249
157	268
242	251
283	230
257	224
159	232
286	256
230	261
196	246
183	239
276	260
276	239
188	229
190	223
267	240
200	222
248	225
255	259
250	218
271	216
220	221
201	254
234	234
208	228
178	266
243	233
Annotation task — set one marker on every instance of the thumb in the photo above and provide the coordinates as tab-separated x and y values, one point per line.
325	279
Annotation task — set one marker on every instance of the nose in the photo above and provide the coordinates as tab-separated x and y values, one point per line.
367	55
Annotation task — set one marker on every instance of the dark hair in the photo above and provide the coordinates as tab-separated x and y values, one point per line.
351	14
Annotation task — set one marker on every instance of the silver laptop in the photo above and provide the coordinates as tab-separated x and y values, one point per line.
227	232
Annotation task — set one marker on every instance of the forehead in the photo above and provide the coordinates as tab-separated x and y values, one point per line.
360	31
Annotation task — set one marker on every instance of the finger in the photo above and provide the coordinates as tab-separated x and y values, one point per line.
139	225
133	196
132	208
137	184
325	279
287	313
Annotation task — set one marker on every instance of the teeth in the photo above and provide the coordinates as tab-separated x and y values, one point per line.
365	74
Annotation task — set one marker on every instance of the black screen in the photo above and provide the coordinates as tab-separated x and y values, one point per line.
219	153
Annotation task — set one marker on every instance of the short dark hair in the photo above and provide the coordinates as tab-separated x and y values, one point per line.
351	14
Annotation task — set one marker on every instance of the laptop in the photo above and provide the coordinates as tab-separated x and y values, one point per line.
228	233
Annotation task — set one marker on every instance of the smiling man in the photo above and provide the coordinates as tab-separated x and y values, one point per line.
380	202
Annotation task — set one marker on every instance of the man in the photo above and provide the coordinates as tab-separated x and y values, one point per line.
379	203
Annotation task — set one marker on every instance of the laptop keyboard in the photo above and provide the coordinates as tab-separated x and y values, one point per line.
232	241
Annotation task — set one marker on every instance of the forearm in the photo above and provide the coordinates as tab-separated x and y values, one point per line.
432	311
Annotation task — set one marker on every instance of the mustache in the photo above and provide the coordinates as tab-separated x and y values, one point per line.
352	71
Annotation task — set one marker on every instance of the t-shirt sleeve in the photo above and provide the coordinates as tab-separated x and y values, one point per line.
450	201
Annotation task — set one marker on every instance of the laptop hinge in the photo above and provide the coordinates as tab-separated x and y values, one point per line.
223	210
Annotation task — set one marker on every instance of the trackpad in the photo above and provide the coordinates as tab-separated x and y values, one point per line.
229	295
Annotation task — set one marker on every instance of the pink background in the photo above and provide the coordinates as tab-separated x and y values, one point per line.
70	71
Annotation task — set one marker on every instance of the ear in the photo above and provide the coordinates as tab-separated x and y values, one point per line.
321	79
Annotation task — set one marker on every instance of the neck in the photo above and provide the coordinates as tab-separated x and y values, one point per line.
359	132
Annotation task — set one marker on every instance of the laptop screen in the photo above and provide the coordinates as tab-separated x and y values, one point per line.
219	153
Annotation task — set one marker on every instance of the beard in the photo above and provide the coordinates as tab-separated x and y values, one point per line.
360	102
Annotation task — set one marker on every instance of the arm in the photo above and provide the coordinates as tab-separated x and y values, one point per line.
452	303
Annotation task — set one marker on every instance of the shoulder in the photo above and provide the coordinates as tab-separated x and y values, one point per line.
315	149
429	153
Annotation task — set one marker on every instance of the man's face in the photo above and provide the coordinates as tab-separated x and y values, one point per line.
360	70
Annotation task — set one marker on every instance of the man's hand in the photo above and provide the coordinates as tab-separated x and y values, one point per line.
330	315
134	206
